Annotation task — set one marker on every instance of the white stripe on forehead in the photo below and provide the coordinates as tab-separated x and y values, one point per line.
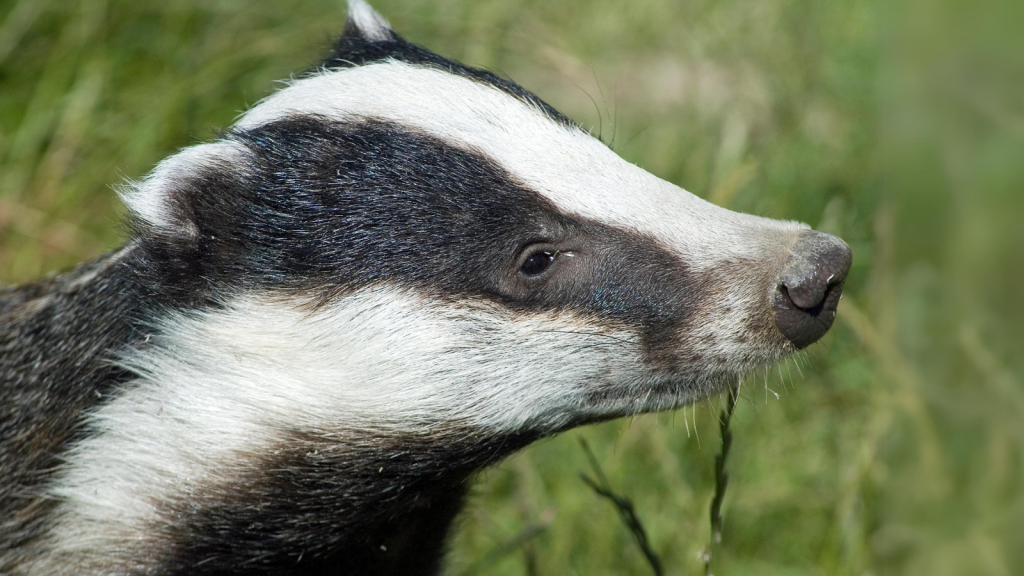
575	171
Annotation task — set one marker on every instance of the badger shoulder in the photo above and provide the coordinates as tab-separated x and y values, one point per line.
56	335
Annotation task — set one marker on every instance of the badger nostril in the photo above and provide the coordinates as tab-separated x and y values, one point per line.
805	293
810	287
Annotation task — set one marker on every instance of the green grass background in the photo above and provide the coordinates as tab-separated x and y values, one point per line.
894	446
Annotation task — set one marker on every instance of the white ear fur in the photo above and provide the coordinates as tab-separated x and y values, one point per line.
370	24
151	200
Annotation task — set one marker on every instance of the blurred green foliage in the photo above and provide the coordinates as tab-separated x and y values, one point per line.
895	446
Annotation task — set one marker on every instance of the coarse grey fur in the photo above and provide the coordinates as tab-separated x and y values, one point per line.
57	337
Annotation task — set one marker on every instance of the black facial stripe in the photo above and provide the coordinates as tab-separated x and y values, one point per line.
332	207
353	49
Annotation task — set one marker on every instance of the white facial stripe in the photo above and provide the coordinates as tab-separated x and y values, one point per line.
148	199
217	388
572	169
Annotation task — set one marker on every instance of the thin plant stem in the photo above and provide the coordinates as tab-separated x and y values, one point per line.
721	476
624	506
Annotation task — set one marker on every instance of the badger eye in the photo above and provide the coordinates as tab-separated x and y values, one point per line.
537	263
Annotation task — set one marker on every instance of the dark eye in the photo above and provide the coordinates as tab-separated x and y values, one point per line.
537	263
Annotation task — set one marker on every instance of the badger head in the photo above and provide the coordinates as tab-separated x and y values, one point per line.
403	240
399	246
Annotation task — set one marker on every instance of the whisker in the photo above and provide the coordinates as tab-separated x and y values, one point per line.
695	431
623	341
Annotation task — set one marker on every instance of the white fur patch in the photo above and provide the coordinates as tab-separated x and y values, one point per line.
373	26
578	173
149	199
216	388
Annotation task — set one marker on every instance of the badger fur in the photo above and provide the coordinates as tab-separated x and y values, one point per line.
386	276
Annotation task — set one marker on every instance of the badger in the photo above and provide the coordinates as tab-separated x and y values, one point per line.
389	274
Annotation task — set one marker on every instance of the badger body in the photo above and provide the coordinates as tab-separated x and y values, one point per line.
388	275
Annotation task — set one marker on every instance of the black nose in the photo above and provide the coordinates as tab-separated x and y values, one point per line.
810	286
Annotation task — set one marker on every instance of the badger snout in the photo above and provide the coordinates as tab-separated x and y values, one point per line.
809	287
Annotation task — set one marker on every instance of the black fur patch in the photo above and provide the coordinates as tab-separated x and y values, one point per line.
328	207
370	504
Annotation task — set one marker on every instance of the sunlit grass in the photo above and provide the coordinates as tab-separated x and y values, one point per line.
894	446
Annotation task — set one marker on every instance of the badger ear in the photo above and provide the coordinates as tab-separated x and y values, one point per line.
163	202
364	23
368	38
